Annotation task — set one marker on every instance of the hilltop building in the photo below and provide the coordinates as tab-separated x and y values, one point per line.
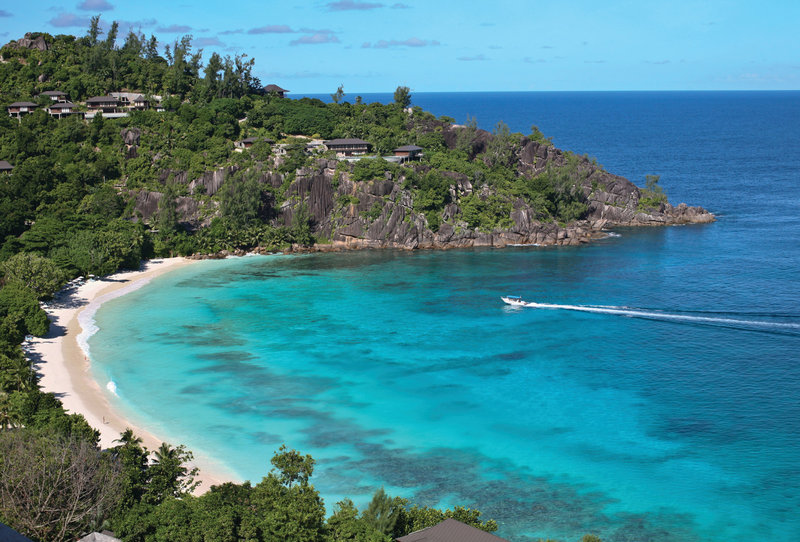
409	152
55	95
348	147
275	89
62	109
20	109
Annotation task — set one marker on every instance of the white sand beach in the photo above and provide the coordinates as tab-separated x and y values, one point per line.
64	368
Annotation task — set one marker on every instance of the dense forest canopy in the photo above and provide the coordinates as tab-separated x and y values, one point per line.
71	207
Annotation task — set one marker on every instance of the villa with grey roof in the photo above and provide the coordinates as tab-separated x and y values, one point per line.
348	147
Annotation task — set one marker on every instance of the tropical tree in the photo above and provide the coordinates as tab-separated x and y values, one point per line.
338	95
169	475
402	97
34	272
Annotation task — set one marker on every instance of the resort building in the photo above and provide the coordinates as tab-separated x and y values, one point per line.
409	152
5	167
62	109
450	530
348	147
55	95
19	109
137	100
275	89
140	103
103	104
248	142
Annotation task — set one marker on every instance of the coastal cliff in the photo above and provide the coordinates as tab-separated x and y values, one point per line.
380	212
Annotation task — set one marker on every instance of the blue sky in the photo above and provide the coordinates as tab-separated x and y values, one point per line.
376	45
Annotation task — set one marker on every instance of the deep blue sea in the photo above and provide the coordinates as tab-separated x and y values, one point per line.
671	414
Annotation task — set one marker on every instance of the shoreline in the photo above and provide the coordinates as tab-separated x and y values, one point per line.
64	367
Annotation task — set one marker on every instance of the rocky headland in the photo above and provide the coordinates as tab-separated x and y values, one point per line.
379	213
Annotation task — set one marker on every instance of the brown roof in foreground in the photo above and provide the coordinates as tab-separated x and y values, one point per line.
24	104
450	530
62	105
5	166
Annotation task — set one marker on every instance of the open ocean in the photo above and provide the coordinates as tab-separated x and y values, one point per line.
671	414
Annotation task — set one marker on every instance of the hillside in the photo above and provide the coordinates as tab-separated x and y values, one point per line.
177	170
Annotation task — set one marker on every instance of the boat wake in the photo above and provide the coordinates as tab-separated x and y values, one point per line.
686	317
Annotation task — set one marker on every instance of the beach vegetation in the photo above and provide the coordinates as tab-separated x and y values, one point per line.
19	309
36	273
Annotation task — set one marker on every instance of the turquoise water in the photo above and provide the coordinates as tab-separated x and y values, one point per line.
670	413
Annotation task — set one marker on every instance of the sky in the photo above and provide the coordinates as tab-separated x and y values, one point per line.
495	45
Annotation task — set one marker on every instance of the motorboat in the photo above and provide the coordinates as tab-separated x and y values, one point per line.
514	300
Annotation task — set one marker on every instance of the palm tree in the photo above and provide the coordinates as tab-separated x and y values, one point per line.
128	438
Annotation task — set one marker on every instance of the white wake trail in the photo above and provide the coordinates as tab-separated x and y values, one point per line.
656	315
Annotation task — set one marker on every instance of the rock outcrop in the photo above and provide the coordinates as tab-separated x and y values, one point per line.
379	213
29	42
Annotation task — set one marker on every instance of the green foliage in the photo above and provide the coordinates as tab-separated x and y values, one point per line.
345	524
486	214
242	199
402	96
338	95
289	508
51	487
296	117
500	150
537	136
369	169
168	475
301	226
554	193
119	244
652	196
431	194
20	308
383	512
36	273
375	211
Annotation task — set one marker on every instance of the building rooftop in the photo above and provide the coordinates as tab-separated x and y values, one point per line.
450	530
274	88
101	99
5	166
408	148
347	142
24	104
